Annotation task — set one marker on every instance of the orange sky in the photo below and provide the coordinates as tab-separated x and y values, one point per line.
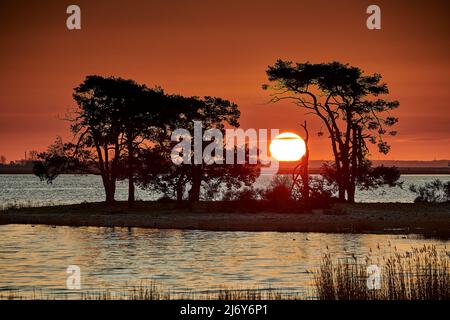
222	48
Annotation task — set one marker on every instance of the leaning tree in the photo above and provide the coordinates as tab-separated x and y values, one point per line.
350	107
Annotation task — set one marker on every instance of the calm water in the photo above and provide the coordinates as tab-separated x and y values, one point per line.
67	189
37	257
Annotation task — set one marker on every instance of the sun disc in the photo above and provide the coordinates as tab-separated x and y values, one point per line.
288	147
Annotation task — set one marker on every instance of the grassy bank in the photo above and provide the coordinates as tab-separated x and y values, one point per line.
390	218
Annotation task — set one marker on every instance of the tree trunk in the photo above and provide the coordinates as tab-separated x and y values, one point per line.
305	179
340	182
351	193
304	167
354	168
341	192
179	195
130	175
345	173
110	190
339	179
194	193
180	190
131	188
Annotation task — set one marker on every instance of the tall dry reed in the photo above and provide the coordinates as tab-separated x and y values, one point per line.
419	274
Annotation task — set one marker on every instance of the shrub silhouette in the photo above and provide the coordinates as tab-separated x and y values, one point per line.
432	192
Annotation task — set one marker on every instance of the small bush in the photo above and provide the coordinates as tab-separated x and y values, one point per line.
279	190
432	192
281	196
165	199
319	191
247	194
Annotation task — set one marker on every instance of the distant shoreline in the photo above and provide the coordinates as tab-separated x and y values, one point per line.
283	170
404	170
365	218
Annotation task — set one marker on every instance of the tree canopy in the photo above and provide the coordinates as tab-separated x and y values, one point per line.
122	130
350	106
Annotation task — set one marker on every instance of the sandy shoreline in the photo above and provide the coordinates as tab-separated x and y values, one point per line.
388	218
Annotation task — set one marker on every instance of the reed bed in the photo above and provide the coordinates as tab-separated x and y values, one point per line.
419	274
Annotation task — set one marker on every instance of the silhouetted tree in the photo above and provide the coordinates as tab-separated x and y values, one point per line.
158	174
122	130
212	112
113	118
56	160
348	103
301	170
140	114
366	177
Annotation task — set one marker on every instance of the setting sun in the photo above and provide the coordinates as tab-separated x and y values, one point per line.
287	147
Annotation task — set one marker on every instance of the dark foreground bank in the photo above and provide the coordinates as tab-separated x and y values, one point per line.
387	218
